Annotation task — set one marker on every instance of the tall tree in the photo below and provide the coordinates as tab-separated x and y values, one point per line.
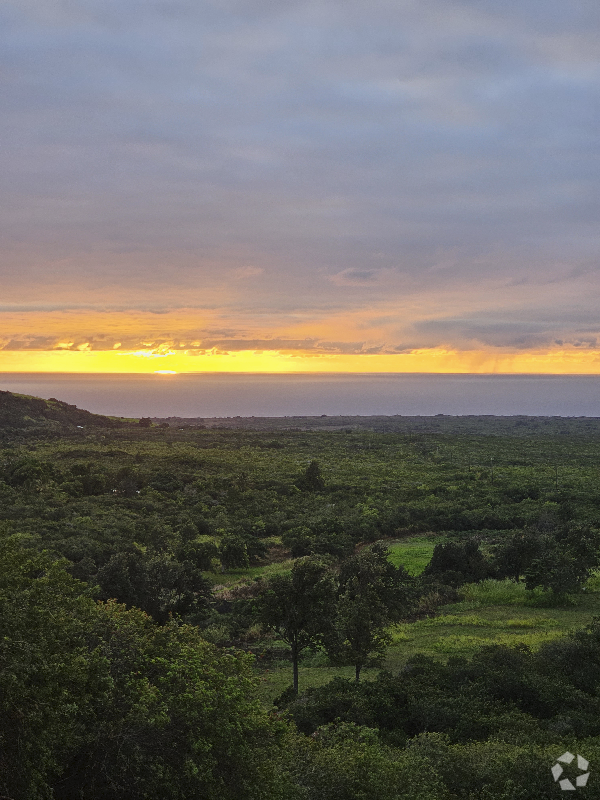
372	594
516	553
298	606
178	720
312	479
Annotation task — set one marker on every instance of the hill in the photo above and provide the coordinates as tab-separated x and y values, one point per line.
23	413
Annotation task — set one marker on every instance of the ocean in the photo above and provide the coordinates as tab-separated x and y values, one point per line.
247	395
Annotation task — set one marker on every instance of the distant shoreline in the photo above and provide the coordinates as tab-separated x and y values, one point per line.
228	395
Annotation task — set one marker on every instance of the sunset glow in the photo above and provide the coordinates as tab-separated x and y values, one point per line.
421	361
199	189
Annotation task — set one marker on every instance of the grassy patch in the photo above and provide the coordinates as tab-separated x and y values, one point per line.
274	680
414	554
234	576
457	630
506	593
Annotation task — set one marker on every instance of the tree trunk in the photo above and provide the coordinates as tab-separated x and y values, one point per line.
295	667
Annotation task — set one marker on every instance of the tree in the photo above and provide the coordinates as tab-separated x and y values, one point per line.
345	760
156	583
47	674
555	556
372	593
233	552
516	553
98	701
201	554
178	719
456	563
298	605
312	480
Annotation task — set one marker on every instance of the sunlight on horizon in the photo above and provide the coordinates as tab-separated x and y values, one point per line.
434	360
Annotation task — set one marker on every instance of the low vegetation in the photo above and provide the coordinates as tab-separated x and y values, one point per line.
393	609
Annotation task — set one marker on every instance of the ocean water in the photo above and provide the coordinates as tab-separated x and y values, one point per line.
246	395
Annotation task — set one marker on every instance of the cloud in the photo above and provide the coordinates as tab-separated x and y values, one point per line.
264	166
514	334
356	277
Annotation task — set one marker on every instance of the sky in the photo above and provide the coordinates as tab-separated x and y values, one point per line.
299	186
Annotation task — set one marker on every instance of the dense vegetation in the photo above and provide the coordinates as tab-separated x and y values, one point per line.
154	576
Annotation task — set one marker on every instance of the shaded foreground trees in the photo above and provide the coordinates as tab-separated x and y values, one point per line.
100	702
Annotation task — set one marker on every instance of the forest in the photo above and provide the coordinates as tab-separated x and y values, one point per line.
334	608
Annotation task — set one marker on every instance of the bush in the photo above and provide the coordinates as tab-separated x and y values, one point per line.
455	563
233	552
345	761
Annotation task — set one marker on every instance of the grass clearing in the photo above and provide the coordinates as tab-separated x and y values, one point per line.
492	592
233	576
415	553
490	612
457	630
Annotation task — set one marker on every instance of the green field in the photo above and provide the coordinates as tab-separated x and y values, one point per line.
415	553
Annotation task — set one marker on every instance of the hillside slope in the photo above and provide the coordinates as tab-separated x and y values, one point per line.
22	412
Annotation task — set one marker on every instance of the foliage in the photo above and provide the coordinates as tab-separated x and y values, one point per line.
47	674
506	693
233	552
371	594
349	761
178	721
156	583
298	606
100	702
312	479
456	563
558	557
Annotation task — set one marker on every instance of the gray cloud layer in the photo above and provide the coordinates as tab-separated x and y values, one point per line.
306	155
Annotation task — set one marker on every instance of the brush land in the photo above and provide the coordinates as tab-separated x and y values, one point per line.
145	566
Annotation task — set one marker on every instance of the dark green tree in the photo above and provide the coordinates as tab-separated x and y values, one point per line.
201	554
298	606
98	701
565	557
47	674
457	562
178	720
515	554
156	583
372	594
233	552
312	479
